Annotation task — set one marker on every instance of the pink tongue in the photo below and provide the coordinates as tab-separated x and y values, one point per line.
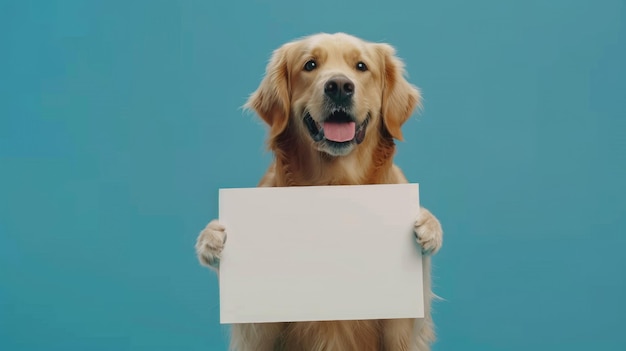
339	132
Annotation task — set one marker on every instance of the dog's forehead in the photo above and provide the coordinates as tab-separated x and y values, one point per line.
341	45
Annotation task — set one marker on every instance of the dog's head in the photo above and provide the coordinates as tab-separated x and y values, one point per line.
334	89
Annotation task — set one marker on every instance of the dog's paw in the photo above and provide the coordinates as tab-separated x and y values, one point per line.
428	232
210	244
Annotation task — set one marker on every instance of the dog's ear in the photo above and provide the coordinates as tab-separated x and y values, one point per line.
271	100
399	96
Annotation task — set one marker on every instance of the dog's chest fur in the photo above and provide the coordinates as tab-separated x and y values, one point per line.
299	165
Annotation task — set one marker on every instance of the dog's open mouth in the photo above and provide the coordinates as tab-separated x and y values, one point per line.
338	127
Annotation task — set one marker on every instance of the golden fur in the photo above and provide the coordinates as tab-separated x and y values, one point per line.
386	100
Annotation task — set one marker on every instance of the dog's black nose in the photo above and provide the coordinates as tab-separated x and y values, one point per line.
339	89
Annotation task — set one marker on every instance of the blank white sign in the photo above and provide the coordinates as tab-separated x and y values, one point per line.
320	253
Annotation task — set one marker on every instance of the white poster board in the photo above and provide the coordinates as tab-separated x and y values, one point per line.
320	253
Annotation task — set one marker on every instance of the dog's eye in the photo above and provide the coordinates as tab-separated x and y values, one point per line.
361	66
310	65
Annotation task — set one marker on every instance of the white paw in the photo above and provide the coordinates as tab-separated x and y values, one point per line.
210	244
428	232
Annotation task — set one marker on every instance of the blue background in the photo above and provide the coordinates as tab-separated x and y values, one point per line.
119	121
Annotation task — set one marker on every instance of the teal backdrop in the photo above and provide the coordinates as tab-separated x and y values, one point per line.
119	121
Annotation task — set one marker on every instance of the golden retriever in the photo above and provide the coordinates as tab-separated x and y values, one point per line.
334	105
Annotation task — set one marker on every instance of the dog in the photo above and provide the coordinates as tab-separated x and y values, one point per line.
334	105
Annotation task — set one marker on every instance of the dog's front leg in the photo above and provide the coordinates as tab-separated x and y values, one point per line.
417	334
244	337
